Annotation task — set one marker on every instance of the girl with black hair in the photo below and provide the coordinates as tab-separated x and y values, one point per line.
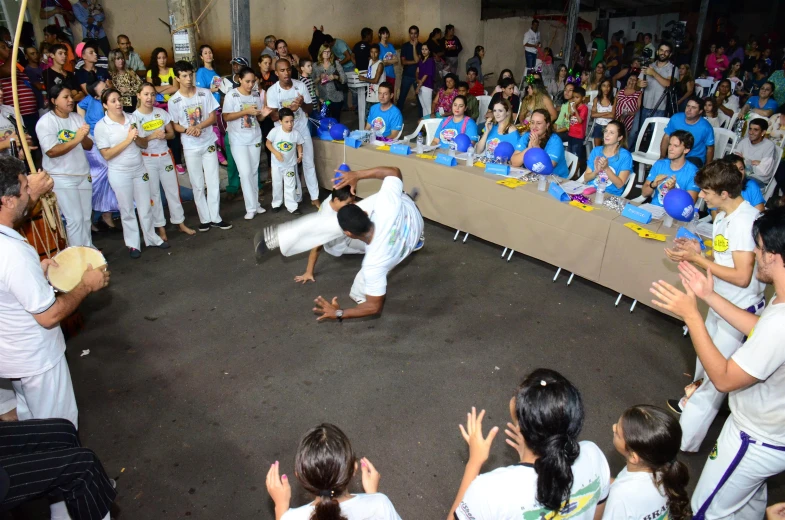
654	482
557	474
324	466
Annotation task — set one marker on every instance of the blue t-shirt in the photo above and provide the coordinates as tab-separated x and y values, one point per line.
204	79
685	178
494	138
620	162
339	49
385	53
385	121
702	132
408	52
555	150
448	129
752	193
754	101
93	111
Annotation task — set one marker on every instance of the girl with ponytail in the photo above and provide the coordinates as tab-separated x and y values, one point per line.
557	474
654	483
324	466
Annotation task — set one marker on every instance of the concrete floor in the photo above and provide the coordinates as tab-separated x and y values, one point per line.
204	367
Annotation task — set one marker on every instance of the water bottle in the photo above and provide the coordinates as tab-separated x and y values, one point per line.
451	152
420	142
602	183
693	225
470	156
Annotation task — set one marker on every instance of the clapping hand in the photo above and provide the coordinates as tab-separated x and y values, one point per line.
371	477
279	488
83	132
701	284
682	304
133	133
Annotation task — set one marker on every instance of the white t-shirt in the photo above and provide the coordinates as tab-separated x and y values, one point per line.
373	88
533	38
375	506
245	130
732	103
151	123
734	233
279	97
190	111
766	152
509	492
398	226
343	245
26	348
53	130
286	144
109	134
759	409
634	496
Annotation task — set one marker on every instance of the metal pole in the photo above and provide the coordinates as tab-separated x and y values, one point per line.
696	49
572	26
241	28
183	32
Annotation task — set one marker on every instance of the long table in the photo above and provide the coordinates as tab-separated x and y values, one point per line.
594	245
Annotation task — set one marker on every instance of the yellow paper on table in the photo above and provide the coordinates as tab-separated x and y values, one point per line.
635	227
511	182
383	148
578	205
651	235
479	164
426	156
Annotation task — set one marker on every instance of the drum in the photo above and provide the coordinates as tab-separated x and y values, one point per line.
72	263
38	233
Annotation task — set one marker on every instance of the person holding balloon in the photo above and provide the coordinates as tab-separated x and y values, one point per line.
674	172
458	124
541	137
498	129
609	165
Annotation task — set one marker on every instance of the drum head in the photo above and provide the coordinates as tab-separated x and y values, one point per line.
72	263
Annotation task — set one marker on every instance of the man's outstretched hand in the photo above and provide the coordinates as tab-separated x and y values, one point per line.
346	179
327	310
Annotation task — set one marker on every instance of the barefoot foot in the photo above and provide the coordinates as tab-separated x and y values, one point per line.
162	233
185	229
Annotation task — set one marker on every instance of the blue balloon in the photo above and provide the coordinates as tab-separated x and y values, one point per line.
678	204
463	142
344	168
327	122
538	161
504	151
337	131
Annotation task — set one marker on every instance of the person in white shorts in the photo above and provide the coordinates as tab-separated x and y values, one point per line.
158	161
751	446
733	267
32	346
286	146
192	110
243	109
294	95
63	136
392	232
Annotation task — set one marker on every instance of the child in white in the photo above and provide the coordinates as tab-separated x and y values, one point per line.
653	484
286	144
243	110
324	466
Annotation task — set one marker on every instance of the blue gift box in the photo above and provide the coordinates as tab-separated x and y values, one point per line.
558	192
352	143
497	169
400	149
637	214
683	232
446	160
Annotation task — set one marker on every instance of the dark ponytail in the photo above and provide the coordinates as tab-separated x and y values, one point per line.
655	436
550	416
324	466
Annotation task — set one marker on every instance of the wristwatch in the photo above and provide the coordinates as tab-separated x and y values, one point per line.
339	315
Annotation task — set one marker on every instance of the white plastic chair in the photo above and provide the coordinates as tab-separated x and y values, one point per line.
483	101
652	154
572	164
430	126
629	185
724	142
728	122
591	94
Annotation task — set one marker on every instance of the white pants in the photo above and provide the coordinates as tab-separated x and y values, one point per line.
285	189
733	482
7	396
75	198
130	188
161	172
247	160
425	96
309	169
47	396
202	166
345	246
703	405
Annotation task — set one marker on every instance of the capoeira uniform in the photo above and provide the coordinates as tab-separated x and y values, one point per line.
279	97
286	188
245	136
129	180
751	446
31	356
160	167
398	228
200	152
71	174
7	396
731	233
343	245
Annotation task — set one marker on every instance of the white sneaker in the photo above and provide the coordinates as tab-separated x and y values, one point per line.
250	215
259	210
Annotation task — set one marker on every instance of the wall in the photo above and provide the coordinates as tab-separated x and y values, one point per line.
643	24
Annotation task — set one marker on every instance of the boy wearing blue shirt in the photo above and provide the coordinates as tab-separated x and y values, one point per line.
674	172
750	190
384	118
692	121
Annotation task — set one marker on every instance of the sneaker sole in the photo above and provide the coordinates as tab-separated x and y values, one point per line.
259	247
205	230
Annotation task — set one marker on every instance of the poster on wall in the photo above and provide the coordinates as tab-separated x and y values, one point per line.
181	43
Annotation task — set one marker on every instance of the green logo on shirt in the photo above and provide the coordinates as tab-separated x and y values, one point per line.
284	146
65	136
577	505
145	177
211	149
714	452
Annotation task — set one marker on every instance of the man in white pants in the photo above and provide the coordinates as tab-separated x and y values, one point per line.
293	94
733	268
392	232
192	110
159	163
751	446
32	346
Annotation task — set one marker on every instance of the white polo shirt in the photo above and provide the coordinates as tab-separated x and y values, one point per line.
150	123
190	111
53	130
26	348
108	133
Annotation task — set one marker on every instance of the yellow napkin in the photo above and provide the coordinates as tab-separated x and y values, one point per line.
383	148
426	156
511	182
578	205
